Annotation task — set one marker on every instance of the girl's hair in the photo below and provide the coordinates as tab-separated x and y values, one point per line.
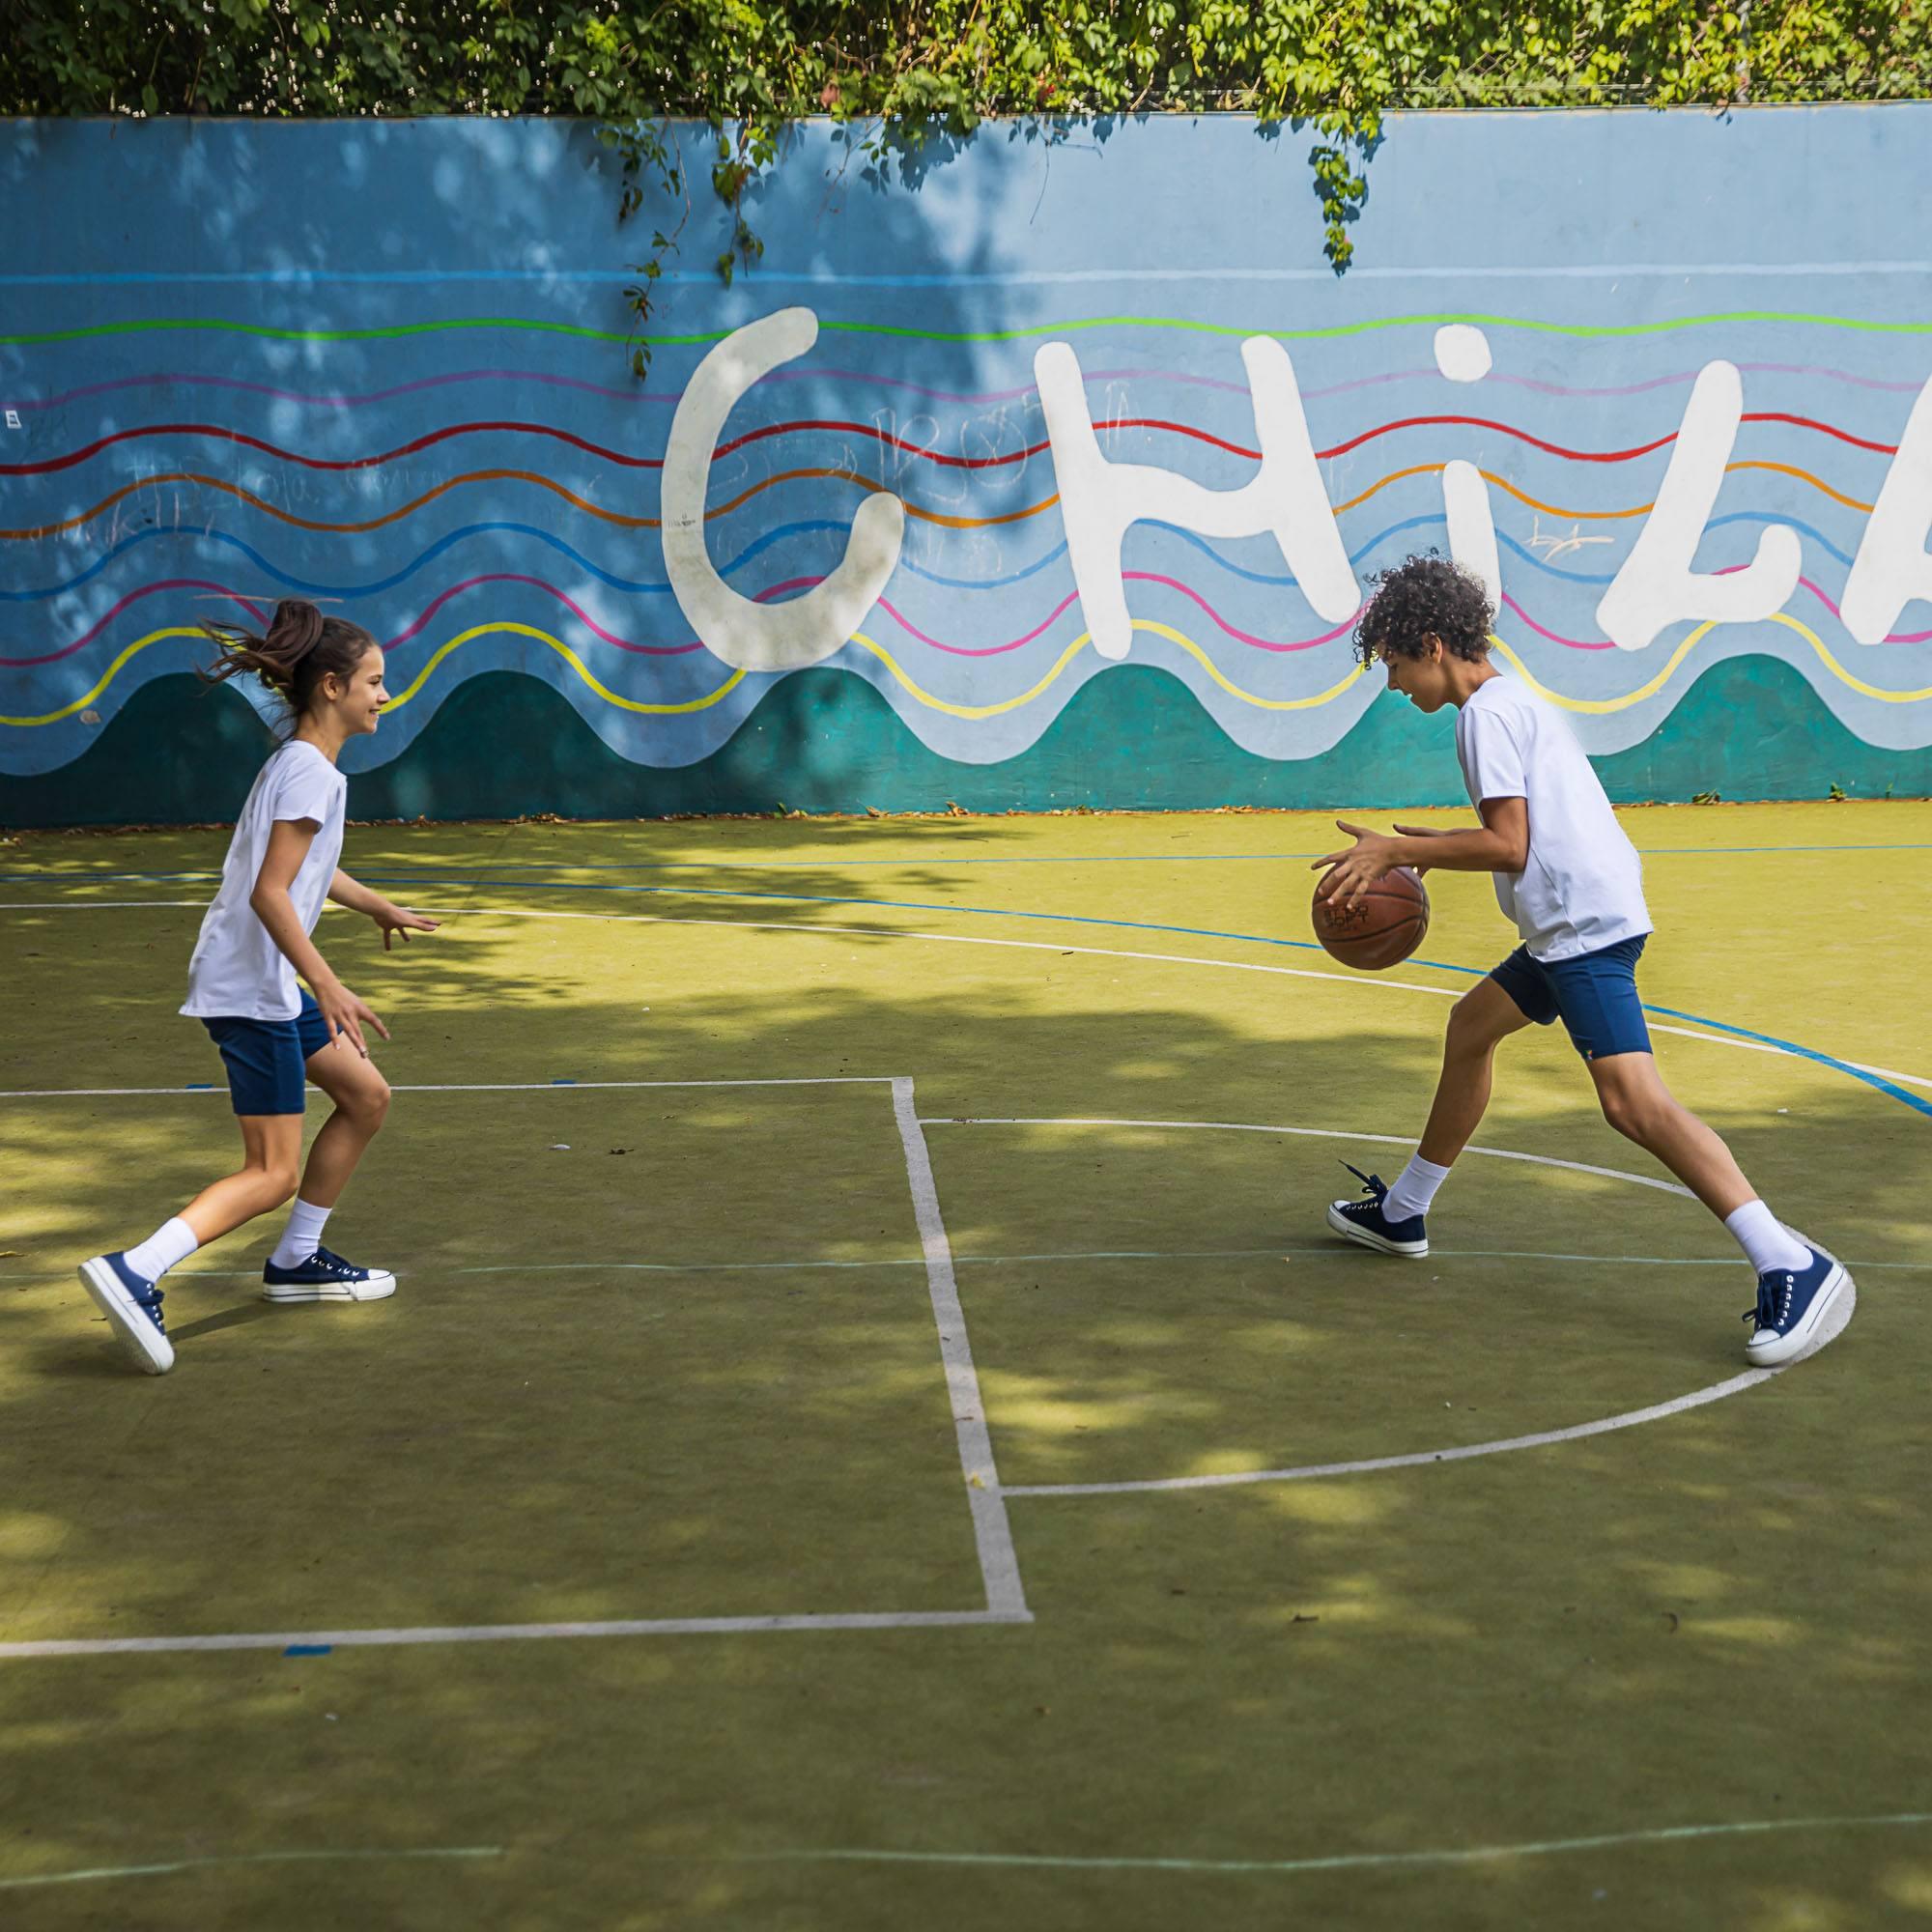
1423	597
299	648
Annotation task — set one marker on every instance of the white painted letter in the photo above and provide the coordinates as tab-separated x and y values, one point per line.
1100	500
1892	567
762	637
1656	585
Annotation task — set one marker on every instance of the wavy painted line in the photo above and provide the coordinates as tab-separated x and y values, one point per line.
670	398
938	519
1596	706
876	432
1178	325
906	623
1602	706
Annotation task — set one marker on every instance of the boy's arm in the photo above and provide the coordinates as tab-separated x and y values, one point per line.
1499	844
390	916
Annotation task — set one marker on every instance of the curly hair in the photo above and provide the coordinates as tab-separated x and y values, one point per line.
1424	597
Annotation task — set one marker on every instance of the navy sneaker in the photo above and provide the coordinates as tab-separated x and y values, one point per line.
1365	1222
325	1277
133	1306
1792	1305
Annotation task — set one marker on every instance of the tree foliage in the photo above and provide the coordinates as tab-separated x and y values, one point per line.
902	70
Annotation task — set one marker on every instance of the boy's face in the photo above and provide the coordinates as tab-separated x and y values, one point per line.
1423	680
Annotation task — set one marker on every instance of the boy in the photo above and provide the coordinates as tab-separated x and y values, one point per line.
1573	883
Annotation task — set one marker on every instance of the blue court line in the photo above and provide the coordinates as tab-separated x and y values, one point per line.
452	875
1876	1080
1857	1073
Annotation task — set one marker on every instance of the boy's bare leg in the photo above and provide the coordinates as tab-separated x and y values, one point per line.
1478	1023
1636	1103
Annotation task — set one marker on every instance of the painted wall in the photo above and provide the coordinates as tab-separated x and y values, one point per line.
1049	478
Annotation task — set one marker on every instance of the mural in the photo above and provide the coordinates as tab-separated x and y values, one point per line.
981	440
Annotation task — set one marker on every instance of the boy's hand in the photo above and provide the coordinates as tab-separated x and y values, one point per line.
1423	832
1372	856
391	918
345	1015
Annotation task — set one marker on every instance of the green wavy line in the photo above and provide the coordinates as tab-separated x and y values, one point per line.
1370	326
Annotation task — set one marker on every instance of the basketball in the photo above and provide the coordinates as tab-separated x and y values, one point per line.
1382	929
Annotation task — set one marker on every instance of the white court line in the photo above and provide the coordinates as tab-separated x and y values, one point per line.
1308	1133
999	1563
1664	1835
1314	1471
1018	945
173	1866
1833	1325
358	1639
450	1087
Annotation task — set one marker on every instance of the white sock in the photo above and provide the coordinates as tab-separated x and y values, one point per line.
1414	1188
1766	1241
302	1236
170	1245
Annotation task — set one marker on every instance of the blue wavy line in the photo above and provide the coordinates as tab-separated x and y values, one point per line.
814	525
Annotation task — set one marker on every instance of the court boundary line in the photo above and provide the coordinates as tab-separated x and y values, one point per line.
1698	1397
1740	1038
992	1533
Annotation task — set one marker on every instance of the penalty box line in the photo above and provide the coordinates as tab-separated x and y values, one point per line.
992	1533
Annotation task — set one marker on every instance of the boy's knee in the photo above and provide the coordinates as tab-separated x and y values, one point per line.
372	1106
1637	1117
279	1181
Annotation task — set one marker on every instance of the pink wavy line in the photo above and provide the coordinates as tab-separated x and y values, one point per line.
906	623
868	378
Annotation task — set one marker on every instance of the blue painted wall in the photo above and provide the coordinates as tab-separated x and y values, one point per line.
383	366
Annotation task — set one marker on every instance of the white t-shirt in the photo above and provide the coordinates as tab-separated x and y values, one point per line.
1582	887
238	972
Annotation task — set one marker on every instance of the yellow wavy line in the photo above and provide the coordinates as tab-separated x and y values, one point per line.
576	664
1594	706
107	677
1599	706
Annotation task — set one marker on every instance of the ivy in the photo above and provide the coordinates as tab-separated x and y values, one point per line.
898	73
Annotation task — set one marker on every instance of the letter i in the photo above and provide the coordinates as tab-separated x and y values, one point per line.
1462	355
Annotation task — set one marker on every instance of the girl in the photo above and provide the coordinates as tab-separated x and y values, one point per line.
241	987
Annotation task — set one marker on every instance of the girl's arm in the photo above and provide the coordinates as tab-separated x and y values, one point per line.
289	841
390	916
1499	844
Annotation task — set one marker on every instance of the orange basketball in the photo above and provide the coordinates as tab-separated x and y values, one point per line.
1382	929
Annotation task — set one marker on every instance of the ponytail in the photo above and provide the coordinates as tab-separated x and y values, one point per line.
299	648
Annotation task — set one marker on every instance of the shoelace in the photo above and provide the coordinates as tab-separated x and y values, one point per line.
1372	1186
334	1264
150	1305
1772	1290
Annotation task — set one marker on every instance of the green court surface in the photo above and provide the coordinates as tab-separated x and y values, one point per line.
832	1255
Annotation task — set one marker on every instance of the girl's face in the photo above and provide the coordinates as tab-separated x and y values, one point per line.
358	703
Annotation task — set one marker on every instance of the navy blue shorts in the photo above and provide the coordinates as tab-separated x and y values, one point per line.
1594	995
265	1058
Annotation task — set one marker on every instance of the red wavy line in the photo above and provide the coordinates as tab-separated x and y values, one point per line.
872	430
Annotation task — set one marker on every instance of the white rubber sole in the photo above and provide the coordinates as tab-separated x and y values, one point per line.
1823	1321
1368	1239
380	1286
141	1342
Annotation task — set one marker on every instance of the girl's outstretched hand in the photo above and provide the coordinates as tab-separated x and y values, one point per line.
394	918
345	1017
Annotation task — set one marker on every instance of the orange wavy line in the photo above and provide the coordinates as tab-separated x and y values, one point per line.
865	482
